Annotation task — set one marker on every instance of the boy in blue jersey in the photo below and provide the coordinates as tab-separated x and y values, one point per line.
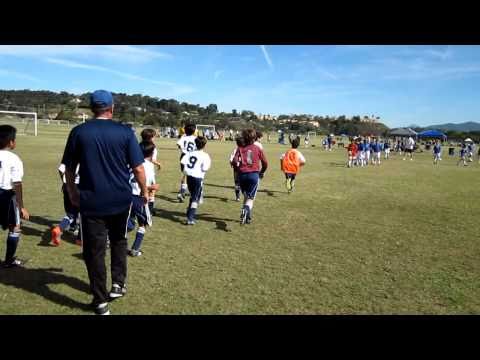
361	153
463	155
386	148
437	152
377	152
366	149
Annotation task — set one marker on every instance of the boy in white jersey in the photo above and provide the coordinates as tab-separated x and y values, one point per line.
236	181
69	221
148	135
140	211
11	196
196	164
186	144
257	140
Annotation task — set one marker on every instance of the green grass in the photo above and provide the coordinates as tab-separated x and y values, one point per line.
396	239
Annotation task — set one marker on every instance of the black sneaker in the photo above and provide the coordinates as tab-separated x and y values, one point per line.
13	263
101	309
117	291
135	253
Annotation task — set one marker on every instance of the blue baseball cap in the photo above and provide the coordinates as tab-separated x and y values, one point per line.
101	99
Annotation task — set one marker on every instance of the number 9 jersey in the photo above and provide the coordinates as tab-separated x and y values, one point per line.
196	163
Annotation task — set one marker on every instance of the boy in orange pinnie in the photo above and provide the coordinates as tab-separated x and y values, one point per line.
290	164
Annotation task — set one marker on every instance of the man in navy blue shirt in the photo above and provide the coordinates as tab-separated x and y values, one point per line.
106	151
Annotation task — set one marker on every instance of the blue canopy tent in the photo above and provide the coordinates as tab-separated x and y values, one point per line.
435	134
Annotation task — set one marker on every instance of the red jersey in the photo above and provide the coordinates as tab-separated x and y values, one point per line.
247	159
353	148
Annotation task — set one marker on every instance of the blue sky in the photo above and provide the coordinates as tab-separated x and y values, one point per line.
402	85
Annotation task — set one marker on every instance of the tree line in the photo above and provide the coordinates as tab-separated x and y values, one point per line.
153	111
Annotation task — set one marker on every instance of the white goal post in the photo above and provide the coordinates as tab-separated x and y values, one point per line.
211	128
9	119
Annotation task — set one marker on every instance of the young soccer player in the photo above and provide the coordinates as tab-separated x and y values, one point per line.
377	152
366	149
352	150
186	144
148	135
240	143
361	152
69	221
247	161
290	164
463	154
195	165
307	140
258	138
470	152
437	152
386	148
11	194
139	211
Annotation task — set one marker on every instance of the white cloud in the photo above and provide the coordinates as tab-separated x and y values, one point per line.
17	75
119	53
176	89
267	56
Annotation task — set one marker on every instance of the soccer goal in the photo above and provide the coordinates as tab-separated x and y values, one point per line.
312	134
26	123
205	130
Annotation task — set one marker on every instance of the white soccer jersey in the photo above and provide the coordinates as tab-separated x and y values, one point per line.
61	168
196	164
11	169
259	144
187	143
149	176
154	155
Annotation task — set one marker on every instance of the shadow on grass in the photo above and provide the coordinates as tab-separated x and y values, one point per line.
166	198
268	192
180	218
37	281
217	197
39	220
337	164
220	186
45	235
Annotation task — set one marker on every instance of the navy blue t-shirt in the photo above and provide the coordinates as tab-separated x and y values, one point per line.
105	151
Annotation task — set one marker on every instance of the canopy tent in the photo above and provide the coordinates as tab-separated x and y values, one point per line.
432	134
468	140
402	132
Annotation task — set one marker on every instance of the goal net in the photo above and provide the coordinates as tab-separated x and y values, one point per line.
208	131
26	123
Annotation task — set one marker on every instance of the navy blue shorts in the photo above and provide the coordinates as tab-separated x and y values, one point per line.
290	176
9	212
140	212
70	210
249	184
195	188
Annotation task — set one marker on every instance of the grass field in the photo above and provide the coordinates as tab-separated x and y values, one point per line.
401	238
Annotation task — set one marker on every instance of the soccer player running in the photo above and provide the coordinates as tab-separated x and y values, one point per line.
186	144
147	136
377	152
290	164
236	181
247	161
140	212
386	148
409	148
11	195
69	221
437	152
196	164
463	154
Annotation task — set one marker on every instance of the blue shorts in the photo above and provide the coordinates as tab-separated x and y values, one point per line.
195	188
9	212
249	184
140	212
